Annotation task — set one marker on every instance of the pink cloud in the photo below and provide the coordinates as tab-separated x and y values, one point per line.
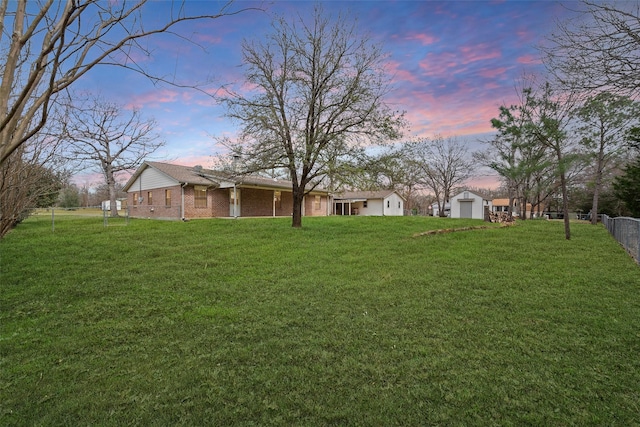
478	53
492	73
424	39
528	59
156	98
452	114
439	64
394	69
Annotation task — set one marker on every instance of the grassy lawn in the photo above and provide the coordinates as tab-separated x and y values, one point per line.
348	321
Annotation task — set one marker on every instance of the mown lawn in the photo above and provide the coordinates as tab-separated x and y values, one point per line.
348	321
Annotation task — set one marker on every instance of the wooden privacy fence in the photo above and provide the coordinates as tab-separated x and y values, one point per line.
627	232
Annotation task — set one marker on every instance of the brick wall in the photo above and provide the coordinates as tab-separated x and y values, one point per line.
220	202
155	206
310	208
253	202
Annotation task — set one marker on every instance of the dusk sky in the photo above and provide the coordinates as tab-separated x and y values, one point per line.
453	64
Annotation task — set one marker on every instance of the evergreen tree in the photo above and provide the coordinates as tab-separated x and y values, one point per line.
627	187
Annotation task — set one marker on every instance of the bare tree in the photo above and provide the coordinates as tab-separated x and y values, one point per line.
319	93
444	164
598	48
102	134
47	45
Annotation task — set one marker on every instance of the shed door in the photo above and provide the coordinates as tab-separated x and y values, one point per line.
465	209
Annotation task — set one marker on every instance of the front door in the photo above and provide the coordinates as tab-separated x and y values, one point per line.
234	202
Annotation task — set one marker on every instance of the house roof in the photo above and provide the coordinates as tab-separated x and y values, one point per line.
365	195
196	175
500	202
181	174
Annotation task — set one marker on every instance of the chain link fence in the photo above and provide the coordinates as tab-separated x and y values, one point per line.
627	232
101	216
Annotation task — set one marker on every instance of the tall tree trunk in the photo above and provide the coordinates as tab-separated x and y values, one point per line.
298	199
111	183
565	206
596	188
596	196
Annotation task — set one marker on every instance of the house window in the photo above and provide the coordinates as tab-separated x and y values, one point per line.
398	205
317	205
200	197
388	203
167	198
135	199
364	204
149	198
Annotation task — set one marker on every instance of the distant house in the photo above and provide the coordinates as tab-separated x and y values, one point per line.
502	205
380	203
469	204
169	191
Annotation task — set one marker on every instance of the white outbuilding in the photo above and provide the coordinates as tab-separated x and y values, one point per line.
368	203
469	204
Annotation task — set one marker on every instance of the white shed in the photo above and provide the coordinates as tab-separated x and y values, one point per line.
106	205
368	203
468	204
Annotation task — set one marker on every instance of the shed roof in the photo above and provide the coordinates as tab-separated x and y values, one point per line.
365	195
483	196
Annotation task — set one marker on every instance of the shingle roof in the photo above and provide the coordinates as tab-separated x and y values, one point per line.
199	176
184	174
380	194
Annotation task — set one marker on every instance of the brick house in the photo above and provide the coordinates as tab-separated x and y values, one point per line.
168	191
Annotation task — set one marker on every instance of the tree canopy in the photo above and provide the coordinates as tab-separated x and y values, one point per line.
318	90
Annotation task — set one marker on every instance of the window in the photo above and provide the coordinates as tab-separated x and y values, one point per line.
149	198
364	204
398	205
388	203
200	197
135	199
167	198
317	205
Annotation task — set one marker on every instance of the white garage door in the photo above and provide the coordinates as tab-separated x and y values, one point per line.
465	210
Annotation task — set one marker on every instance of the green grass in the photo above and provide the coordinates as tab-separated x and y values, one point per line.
348	321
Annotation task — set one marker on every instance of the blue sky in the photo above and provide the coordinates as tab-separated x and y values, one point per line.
453	64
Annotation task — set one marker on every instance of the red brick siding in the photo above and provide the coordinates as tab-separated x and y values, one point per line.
220	202
256	202
158	209
310	206
286	204
253	202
